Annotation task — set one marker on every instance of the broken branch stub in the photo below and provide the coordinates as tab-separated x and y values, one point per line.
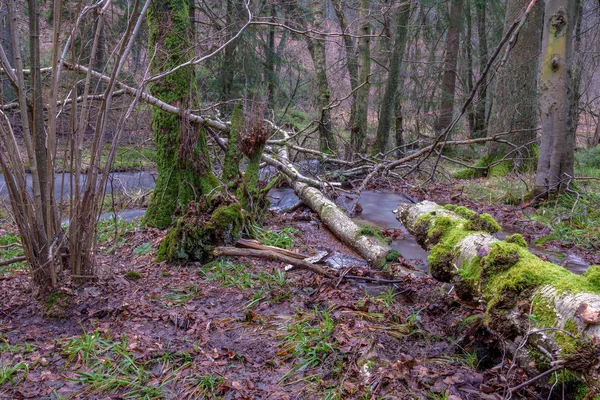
524	296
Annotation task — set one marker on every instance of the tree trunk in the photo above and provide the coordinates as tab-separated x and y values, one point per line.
351	62
183	163
270	64
228	62
8	92
555	163
391	88
538	303
360	123
316	47
469	68
450	64
480	118
399	129
515	104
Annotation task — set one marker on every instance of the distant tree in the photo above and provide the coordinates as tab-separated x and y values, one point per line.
391	89
480	107
359	126
350	52
450	65
314	26
515	103
555	163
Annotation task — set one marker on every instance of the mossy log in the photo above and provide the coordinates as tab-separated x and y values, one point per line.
553	311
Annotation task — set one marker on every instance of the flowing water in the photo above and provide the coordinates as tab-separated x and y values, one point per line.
377	206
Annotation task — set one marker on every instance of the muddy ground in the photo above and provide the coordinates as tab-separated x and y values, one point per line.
244	329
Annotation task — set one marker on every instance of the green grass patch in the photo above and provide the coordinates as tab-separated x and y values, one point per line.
574	219
309	341
106	365
269	286
111	232
10	247
283	238
133	275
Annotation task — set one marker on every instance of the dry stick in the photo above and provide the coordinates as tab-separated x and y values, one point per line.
12	261
535	378
256	245
295	262
273	256
444	135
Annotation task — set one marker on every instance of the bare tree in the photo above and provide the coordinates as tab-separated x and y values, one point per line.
555	163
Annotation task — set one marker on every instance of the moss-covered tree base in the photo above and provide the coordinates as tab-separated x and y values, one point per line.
195	233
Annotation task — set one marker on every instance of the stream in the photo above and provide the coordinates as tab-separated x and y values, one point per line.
377	206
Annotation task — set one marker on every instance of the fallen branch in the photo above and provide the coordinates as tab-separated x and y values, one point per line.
254	244
12	261
296	263
272	256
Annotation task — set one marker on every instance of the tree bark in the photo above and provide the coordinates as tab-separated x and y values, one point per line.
450	64
316	47
391	88
183	163
351	62
555	163
515	103
538	303
360	122
8	92
480	117
469	67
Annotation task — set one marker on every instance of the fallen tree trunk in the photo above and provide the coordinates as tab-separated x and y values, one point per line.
369	247
552	312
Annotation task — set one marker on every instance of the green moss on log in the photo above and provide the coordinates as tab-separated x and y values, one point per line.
482	222
460	210
517	239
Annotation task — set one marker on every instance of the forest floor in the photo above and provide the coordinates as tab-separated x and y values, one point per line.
246	329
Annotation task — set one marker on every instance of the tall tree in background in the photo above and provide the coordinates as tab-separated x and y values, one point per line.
351	61
8	92
183	163
316	47
450	64
515	106
555	163
480	106
233	16
391	89
360	123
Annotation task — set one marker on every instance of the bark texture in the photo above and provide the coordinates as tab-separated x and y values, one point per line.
183	163
316	47
359	128
555	163
526	298
450	63
480	114
391	88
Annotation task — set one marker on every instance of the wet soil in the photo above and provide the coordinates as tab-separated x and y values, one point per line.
410	340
